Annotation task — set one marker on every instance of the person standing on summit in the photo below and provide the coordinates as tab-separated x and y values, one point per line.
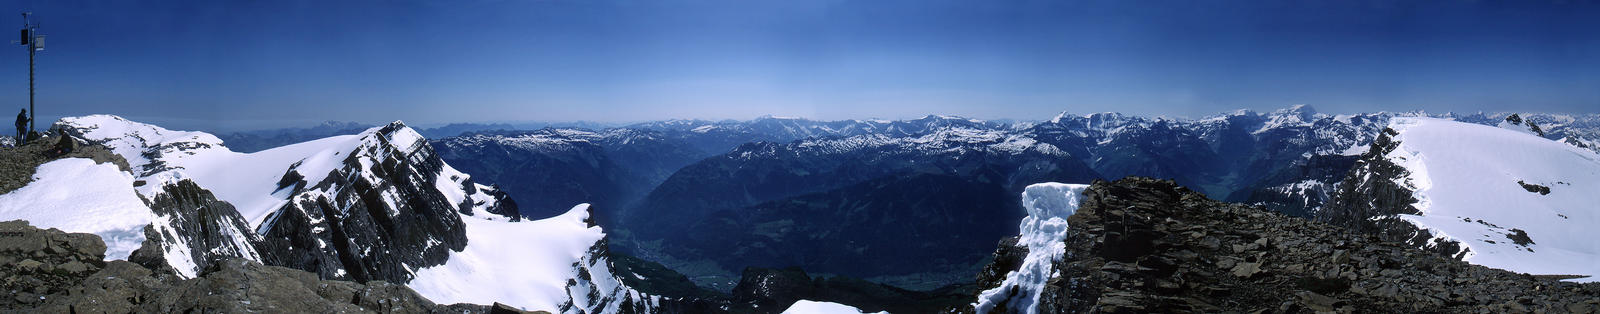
22	126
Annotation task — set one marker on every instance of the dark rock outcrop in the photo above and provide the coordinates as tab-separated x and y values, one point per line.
372	218
1008	257
1141	245
35	263
1534	188
773	288
206	229
1515	119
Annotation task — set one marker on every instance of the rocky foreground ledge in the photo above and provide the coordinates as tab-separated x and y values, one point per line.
1141	245
50	271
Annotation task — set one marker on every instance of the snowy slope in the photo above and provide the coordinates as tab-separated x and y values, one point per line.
1466	179
1048	206
530	264
818	307
77	195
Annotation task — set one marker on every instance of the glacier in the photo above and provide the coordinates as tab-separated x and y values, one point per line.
1468	180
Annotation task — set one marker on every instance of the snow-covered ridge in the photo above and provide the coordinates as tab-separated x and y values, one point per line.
1049	205
540	140
152	152
162	156
1514	200
1097	125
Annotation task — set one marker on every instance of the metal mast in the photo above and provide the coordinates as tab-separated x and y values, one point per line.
35	43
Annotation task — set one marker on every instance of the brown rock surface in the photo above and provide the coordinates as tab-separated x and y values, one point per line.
1194	254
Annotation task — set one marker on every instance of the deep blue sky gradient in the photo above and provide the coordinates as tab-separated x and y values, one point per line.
258	64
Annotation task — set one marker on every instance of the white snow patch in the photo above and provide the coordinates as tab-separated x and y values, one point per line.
77	195
1043	230
543	252
818	307
447	185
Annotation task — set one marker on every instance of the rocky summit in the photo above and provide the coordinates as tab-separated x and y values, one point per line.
1141	245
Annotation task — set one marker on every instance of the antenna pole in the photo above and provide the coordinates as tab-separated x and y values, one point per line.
30	39
31	112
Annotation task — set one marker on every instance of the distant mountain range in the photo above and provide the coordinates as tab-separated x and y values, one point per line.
710	197
257	140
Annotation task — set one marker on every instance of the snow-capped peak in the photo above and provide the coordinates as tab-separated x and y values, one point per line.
1294	116
400	136
1304	111
1058	117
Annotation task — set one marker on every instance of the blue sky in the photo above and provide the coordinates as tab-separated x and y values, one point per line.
258	64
